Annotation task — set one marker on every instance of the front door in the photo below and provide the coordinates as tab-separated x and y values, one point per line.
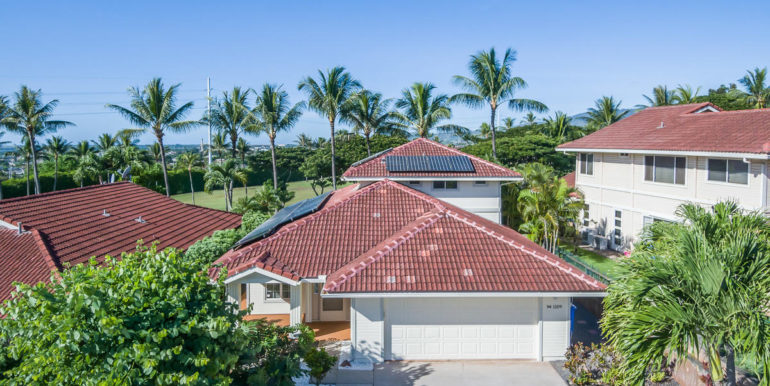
316	301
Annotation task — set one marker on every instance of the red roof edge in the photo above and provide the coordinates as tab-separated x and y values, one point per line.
53	264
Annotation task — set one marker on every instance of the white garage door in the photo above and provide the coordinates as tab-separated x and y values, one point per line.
461	328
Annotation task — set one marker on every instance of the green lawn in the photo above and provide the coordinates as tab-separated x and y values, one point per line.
216	200
598	262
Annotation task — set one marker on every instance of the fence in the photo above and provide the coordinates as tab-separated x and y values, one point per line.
574	260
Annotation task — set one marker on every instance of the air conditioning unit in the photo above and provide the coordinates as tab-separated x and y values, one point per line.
588	236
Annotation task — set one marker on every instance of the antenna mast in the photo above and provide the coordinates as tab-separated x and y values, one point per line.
208	97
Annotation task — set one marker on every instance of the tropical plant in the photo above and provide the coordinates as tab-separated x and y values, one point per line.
319	362
560	127
757	93
1	144
104	142
31	117
303	140
230	116
661	96
547	206
369	114
272	114
265	200
606	112
224	174
700	286
188	161
219	144
685	94
492	82
56	147
144	317
87	166
421	111
327	96
243	149
154	107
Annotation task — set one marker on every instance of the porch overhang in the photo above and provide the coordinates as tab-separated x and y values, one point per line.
263	272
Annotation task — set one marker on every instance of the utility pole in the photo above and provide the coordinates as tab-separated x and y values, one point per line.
208	97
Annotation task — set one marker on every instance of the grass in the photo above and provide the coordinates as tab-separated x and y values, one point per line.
216	199
598	262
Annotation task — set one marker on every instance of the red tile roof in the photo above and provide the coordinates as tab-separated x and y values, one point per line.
387	237
743	131
570	179
25	259
375	168
71	225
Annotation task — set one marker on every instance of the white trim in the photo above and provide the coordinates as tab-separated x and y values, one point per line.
262	272
432	178
320	279
645	193
704	109
586	163
655	170
765	177
668	152
597	294
8	225
661	216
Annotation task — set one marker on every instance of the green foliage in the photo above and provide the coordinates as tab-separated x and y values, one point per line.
288	162
149	317
699	285
252	219
320	362
17	187
272	354
587	365
726	97
213	247
513	151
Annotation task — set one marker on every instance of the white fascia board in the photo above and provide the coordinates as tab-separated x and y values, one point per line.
8	225
320	279
670	152
464	294
432	178
262	272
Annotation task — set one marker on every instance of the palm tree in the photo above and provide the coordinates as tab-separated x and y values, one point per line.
327	96
85	158
31	117
560	127
685	94
491	81
303	140
369	114
224	174
272	114
24	151
758	94
230	116
188	161
243	149
154	107
155	151
104	142
661	96
547	206
606	112
700	285
55	147
421	111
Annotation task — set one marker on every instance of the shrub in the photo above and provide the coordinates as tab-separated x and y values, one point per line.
600	365
212	247
272	354
319	362
17	187
251	220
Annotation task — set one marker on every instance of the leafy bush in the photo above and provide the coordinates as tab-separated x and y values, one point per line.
251	220
17	187
272	354
149	317
600	365
212	247
320	362
520	150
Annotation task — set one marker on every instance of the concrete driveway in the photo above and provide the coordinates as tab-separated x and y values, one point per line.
450	373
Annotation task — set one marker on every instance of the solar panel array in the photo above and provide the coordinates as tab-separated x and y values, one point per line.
284	216
371	157
429	163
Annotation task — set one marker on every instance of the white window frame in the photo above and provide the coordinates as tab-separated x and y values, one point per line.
654	170
617	230
586	160
727	172
444	185
479	183
586	214
283	290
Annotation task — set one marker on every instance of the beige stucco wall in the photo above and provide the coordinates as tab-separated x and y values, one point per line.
618	184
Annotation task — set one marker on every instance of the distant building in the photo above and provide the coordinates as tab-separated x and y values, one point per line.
640	169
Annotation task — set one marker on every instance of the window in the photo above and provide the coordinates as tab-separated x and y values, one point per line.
669	170
617	234
623	155
586	212
332	304
444	184
479	183
587	164
275	291
416	183
734	171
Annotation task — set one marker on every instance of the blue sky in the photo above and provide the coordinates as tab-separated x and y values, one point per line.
87	53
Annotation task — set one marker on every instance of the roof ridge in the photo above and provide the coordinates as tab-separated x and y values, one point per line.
375	253
53	263
569	269
57	192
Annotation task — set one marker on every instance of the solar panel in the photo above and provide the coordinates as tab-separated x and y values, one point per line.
371	157
283	216
429	163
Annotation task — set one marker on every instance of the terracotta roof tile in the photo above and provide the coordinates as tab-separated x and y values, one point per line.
25	258
389	237
375	168
743	131
71	225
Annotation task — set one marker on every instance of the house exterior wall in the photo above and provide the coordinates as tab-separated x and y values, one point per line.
556	324
255	295
367	329
618	183
483	200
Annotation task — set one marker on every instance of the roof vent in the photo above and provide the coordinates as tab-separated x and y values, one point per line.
21	229
390	279
377	215
662	125
409	279
105	214
140	220
467	272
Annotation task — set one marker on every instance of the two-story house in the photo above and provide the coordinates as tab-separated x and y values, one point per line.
463	180
640	169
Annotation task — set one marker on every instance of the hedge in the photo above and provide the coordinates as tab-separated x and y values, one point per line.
17	187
